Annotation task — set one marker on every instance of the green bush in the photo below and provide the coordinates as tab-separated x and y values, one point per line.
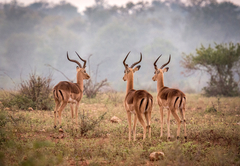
88	123
34	92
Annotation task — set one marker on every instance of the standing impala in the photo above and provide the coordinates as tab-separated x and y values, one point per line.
172	99
67	92
138	102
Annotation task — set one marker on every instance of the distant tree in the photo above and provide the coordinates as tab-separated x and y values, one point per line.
221	63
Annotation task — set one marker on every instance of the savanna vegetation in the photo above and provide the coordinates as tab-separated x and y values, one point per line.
222	65
28	136
40	34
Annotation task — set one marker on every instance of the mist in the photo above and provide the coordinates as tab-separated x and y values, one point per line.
38	35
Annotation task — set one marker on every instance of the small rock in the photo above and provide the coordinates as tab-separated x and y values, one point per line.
154	156
115	119
30	109
43	130
60	130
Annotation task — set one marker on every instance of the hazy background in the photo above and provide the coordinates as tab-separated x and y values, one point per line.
38	33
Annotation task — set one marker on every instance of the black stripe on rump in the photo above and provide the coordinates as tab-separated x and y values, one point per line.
61	94
141	103
175	101
180	102
146	105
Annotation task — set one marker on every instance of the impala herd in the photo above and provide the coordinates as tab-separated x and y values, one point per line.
136	102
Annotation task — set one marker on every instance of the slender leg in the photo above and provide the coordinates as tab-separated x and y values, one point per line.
178	121
60	112
134	127
148	120
168	124
57	103
182	113
76	112
149	125
71	107
142	123
129	125
161	117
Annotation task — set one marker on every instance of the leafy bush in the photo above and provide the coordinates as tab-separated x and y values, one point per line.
34	92
222	65
88	123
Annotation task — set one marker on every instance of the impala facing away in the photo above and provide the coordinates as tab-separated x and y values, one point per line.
67	92
169	98
138	102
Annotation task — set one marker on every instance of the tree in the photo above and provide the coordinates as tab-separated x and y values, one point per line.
221	63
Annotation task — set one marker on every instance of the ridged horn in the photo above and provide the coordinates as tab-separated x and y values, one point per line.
74	61
167	62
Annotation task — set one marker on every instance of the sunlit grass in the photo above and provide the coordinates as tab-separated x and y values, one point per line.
28	137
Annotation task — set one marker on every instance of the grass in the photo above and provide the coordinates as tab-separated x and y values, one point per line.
28	137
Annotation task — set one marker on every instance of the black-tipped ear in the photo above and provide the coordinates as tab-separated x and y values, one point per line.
165	69
139	66
136	68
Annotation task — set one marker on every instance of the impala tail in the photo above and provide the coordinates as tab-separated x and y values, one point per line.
145	102
181	99
58	94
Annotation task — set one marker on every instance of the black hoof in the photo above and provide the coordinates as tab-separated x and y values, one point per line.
55	127
185	138
177	137
60	127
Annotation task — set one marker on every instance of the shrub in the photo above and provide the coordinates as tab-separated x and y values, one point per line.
88	123
34	92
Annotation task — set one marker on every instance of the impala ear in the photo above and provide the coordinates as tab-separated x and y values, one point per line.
165	69
136	68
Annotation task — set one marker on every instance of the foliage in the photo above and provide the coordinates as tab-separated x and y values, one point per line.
88	124
91	89
219	62
34	92
213	138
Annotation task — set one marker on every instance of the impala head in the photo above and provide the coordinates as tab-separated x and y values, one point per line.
81	71
128	72
159	71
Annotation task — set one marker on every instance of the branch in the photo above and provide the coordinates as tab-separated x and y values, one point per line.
59	72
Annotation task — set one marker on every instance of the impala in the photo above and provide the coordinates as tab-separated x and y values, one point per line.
138	102
169	98
67	92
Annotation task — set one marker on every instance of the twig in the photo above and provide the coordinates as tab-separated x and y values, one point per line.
59	72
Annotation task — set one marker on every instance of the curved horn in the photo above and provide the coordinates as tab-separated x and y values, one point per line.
138	61
74	61
125	59
155	65
84	65
167	62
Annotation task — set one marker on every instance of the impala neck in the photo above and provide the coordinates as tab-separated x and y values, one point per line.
160	83
129	82
80	81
